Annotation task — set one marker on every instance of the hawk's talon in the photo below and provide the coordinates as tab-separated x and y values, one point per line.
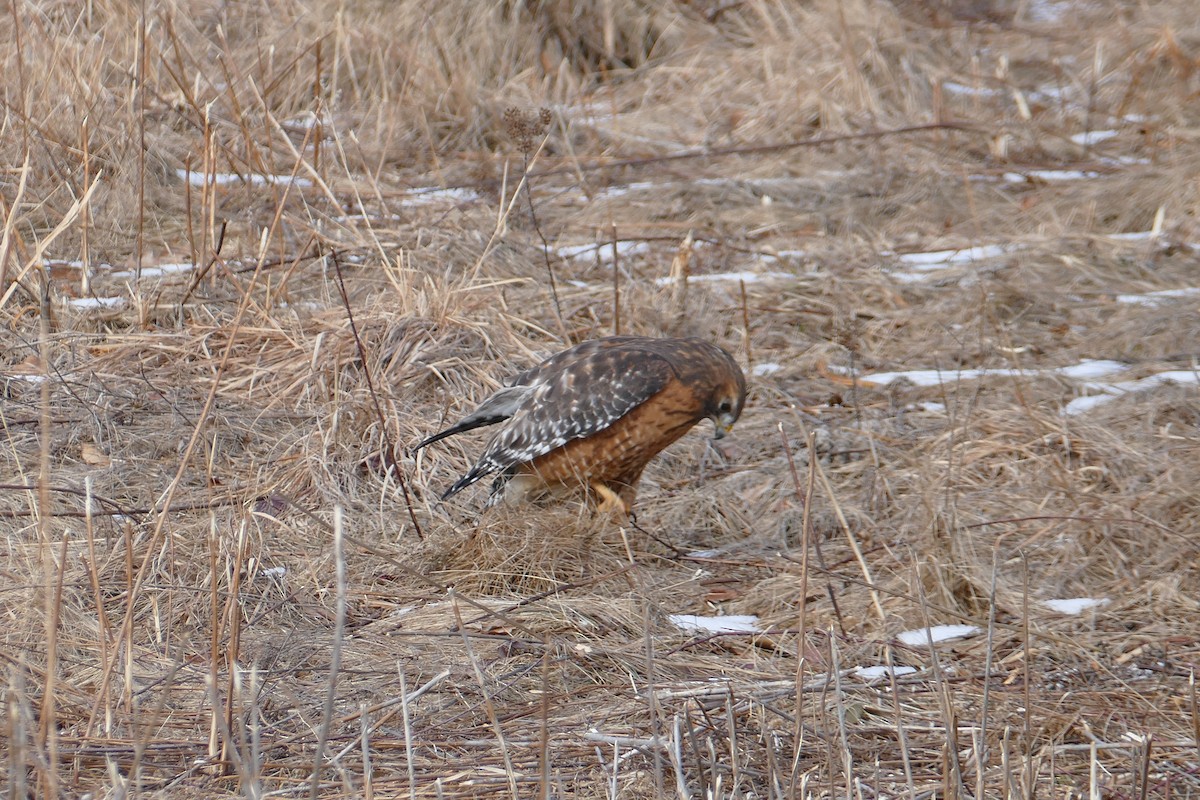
610	501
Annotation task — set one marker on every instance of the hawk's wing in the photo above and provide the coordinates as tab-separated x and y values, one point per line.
572	355
571	401
504	403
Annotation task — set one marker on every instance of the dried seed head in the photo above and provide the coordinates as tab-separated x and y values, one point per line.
526	126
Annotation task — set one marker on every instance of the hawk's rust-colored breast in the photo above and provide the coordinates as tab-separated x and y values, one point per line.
619	453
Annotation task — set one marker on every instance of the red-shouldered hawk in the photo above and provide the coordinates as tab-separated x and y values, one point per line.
596	413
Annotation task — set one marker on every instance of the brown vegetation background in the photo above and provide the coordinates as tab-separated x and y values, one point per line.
222	575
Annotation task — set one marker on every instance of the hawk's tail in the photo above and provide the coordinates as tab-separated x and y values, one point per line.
497	408
465	481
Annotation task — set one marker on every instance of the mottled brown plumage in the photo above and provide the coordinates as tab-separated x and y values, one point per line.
597	413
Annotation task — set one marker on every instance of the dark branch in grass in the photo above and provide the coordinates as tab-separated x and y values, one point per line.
524	128
388	452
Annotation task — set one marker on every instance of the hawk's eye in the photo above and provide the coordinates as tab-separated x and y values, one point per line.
725	407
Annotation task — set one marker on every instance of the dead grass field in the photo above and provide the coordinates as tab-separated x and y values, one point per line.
253	251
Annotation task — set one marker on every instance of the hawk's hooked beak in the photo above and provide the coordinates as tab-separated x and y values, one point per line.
721	427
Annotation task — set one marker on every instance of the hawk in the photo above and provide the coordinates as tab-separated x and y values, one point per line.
597	413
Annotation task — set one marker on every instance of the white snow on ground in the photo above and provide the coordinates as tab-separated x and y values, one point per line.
941	258
747	277
1110	391
1091	368
1157	298
1050	175
938	633
157	271
726	624
927	377
1075	605
307	120
921	265
1082	404
603	251
74	263
344	218
628	188
1049	10
954	87
766	369
882	671
1092	137
96	302
226	178
1134	236
434	194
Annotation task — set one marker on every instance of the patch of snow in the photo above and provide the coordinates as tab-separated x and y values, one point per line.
344	218
1051	93
1050	175
1087	403
1092	137
628	188
704	553
1122	161
768	368
912	277
157	271
307	120
73	263
725	624
937	259
747	277
273	572
304	305
227	178
954	87
1048	10
877	672
938	633
1134	236
433	194
1113	390
926	377
602	252
25	377
1091	368
96	302
1157	298
925	405
1075	605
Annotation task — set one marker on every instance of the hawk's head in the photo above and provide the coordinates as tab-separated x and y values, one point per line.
727	398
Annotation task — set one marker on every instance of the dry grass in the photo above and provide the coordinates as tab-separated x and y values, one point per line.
212	586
